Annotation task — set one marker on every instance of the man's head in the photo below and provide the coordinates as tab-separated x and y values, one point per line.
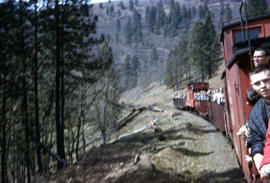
252	96
260	80
261	56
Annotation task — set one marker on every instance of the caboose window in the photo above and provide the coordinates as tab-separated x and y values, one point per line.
253	33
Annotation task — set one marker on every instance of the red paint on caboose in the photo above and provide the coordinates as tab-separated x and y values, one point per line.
236	80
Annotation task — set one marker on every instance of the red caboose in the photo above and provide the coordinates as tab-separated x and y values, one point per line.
235	77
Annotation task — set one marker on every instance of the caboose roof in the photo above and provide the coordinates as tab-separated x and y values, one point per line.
238	23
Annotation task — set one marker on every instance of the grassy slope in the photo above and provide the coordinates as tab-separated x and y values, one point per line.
189	151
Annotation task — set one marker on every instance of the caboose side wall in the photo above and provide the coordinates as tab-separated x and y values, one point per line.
227	42
245	84
236	101
233	83
244	69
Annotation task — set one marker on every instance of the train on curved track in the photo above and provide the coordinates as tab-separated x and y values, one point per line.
239	40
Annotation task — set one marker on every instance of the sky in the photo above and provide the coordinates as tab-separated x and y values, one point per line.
100	1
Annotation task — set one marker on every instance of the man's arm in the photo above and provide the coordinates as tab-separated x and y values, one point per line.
257	137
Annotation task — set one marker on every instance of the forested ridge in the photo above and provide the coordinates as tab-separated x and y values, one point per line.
64	65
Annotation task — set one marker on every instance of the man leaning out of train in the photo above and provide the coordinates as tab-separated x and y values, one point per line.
259	118
261	56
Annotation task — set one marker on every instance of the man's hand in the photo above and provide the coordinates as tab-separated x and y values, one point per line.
257	158
265	171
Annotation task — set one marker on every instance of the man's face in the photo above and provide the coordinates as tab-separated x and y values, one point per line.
260	58
261	83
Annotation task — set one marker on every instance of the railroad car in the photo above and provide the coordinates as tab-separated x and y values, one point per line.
187	100
197	98
239	40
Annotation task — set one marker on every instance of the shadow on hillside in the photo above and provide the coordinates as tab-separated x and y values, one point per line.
177	137
149	176
144	138
106	154
199	130
155	176
233	176
192	153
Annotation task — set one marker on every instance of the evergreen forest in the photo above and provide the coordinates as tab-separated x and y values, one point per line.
65	64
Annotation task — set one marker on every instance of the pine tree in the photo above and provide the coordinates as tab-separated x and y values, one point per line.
135	70
118	30
155	17
227	14
119	13
204	48
195	51
221	15
131	5
112	9
118	25
131	71
257	8
177	66
161	16
152	19
128	31
194	11
100	5
168	76
121	5
147	17
203	10
137	26
212	47
137	2
127	72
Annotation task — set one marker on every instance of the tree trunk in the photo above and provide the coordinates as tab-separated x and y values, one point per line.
25	122
24	107
78	135
209	67
83	136
36	94
59	125
3	121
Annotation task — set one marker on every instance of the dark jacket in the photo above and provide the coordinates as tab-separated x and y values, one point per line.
257	124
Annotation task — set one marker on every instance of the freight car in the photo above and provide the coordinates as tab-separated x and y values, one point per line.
187	100
239	39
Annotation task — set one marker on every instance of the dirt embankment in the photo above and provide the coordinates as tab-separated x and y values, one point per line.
188	149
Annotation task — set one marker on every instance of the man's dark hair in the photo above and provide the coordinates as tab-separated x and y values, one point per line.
260	68
266	52
251	96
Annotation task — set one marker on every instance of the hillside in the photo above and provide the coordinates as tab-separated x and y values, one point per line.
151	42
187	150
